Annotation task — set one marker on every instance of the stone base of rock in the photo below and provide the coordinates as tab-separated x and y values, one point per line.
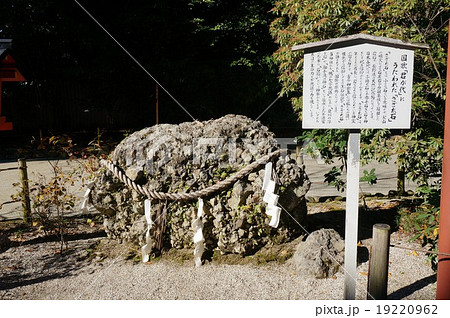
321	255
192	156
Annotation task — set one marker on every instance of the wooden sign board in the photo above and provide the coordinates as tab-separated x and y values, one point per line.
354	82
360	86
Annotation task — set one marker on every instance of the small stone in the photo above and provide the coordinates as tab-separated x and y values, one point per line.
108	199
234	238
218	220
321	255
134	174
392	193
246	156
107	222
252	177
238	224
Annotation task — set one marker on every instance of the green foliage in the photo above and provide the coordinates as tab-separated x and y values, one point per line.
331	145
421	156
423	221
418	151
369	177
334	178
376	144
417	21
223	173
53	198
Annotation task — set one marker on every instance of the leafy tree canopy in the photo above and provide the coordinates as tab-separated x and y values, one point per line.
425	21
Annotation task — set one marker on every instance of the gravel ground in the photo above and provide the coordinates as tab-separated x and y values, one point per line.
35	271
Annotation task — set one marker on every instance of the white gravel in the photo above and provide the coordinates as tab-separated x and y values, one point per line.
36	272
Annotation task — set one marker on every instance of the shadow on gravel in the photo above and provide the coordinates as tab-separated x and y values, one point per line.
336	220
17	281
410	289
67	237
367	218
31	269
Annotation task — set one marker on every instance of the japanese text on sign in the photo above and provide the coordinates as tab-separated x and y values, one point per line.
362	86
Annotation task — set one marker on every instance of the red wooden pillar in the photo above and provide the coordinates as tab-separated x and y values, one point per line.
8	73
443	274
4	125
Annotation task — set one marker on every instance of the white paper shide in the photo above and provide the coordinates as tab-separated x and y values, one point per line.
147	248
199	240
270	197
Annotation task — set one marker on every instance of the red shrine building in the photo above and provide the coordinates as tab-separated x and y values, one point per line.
8	73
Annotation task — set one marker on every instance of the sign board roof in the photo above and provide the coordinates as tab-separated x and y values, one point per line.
356	39
4	45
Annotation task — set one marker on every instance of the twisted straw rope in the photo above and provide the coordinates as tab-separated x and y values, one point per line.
220	186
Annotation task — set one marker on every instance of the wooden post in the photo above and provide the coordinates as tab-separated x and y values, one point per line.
378	264
299	154
400	176
351	214
25	196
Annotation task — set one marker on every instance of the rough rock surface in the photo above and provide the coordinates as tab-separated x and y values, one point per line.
192	156
320	255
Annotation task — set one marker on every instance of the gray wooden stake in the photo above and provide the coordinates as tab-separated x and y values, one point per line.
379	262
25	196
351	214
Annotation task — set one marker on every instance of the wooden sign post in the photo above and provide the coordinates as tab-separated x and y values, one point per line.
351	214
355	82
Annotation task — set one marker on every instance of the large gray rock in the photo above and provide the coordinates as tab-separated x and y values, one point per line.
321	255
192	156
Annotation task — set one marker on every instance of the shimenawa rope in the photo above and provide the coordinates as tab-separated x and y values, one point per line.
220	186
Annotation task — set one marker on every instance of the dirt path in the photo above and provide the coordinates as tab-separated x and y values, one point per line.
33	269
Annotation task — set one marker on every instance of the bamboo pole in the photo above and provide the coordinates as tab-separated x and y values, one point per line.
379	262
25	195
